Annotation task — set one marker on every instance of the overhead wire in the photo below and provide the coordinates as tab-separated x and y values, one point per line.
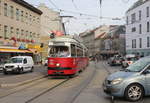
75	6
125	1
82	14
53	4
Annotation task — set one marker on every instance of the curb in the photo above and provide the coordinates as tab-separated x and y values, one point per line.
22	83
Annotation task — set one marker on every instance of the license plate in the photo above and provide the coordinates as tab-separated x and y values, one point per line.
9	69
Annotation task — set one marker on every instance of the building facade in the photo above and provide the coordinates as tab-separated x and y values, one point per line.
50	22
88	40
138	28
19	25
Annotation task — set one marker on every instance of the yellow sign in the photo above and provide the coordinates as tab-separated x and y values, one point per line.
32	46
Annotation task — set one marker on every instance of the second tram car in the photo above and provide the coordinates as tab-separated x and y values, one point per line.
67	56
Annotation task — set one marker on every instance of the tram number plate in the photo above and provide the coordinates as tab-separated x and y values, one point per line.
58	72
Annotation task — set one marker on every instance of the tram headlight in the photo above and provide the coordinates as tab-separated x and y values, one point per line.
57	64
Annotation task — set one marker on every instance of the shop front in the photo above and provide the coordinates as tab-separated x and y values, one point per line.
36	50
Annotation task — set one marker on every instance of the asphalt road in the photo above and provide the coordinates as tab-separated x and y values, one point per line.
85	88
37	69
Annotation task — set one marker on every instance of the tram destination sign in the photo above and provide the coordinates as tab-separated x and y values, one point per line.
59	43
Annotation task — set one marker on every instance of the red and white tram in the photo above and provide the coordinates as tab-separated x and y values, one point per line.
67	56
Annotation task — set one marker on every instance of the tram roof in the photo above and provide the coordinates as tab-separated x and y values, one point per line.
67	38
64	39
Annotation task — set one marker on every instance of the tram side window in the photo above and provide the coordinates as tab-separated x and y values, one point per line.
79	52
85	53
73	50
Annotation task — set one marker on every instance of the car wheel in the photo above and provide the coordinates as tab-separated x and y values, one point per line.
32	69
4	72
20	71
134	92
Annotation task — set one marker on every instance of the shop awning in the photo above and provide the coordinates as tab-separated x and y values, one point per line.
14	50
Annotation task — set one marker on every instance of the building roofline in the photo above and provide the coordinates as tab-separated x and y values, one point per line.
137	4
28	6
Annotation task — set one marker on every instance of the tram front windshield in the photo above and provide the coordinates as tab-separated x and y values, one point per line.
59	51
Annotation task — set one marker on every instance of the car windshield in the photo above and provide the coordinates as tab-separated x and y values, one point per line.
15	60
131	59
138	65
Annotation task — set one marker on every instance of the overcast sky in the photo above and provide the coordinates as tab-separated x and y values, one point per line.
81	22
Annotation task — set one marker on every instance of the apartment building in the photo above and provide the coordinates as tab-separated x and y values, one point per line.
88	40
50	22
19	25
138	28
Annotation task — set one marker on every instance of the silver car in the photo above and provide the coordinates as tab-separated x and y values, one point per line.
133	83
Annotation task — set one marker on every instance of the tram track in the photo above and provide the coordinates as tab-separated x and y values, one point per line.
22	87
86	83
47	90
72	97
31	85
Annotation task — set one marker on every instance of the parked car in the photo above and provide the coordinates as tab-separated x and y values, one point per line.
128	60
45	63
133	83
114	61
2	65
19	64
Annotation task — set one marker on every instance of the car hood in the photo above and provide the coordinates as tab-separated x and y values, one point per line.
120	74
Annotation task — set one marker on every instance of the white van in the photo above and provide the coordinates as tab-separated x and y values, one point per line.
19	64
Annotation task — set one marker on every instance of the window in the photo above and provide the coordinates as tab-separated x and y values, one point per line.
38	20
5	9
33	18
133	18
140	42
0	29
0	6
30	36
127	20
11	31
12	12
5	31
22	32
134	43
148	42
17	32
17	14
73	50
148	27
22	16
140	29
133	29
25	61
147	11
26	18
30	19
27	34
140	12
